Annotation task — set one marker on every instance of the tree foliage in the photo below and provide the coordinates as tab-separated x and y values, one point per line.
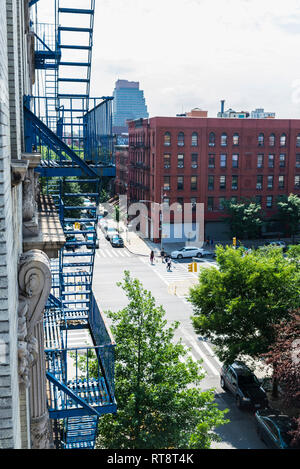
245	218
74	200
157	384
284	356
237	304
289	213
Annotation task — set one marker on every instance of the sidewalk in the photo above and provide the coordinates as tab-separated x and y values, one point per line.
143	247
135	244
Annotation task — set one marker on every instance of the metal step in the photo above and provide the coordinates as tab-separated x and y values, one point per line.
74	29
82	11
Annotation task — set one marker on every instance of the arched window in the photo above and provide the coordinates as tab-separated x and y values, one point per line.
298	140
283	140
212	139
180	139
272	140
167	139
224	140
236	139
194	139
261	140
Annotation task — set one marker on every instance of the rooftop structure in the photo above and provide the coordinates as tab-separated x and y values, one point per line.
261	114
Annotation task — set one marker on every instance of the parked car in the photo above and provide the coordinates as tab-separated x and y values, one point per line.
117	241
274	428
92	238
244	385
87	226
70	239
103	225
68	227
279	244
110	232
190	251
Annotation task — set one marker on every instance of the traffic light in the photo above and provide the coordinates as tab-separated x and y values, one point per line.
193	267
234	242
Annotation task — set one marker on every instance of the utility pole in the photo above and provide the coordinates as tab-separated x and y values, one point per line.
162	217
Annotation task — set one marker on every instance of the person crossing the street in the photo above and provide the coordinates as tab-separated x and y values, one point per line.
152	257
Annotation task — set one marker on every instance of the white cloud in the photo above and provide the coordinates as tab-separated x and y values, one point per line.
188	53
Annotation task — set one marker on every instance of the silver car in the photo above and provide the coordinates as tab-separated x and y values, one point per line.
190	251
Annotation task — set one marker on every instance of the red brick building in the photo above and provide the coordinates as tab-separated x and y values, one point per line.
121	179
206	160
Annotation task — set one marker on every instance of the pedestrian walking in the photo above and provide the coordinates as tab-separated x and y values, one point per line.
152	257
168	263
162	254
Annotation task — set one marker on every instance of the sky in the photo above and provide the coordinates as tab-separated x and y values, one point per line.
193	53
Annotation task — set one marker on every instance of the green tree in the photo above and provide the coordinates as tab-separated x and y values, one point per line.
289	213
293	254
104	196
117	213
237	304
71	200
159	401
245	218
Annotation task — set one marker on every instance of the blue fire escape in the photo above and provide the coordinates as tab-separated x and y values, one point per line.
73	133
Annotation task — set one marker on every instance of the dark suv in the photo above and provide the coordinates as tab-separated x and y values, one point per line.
243	384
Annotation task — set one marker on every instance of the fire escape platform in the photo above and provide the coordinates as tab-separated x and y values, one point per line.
50	237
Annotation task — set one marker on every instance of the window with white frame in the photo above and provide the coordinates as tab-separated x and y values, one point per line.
180	161
224	140
180	139
194	139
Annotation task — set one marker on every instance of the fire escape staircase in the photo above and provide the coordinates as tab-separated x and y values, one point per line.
80	379
44	136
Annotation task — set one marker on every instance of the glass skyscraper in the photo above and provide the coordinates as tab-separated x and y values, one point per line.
128	104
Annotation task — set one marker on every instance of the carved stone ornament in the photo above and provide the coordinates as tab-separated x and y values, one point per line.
18	171
40	430
34	288
30	194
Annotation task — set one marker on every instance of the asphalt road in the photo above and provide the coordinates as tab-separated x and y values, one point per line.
110	264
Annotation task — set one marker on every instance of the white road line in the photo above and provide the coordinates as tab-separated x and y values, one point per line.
212	353
197	348
126	253
114	253
108	253
120	254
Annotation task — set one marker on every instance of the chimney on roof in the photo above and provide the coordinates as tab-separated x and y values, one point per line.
222	106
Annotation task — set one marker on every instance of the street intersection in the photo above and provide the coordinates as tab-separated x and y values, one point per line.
110	264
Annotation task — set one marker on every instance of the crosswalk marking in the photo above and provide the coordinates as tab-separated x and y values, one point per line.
212	353
177	274
105	253
196	347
